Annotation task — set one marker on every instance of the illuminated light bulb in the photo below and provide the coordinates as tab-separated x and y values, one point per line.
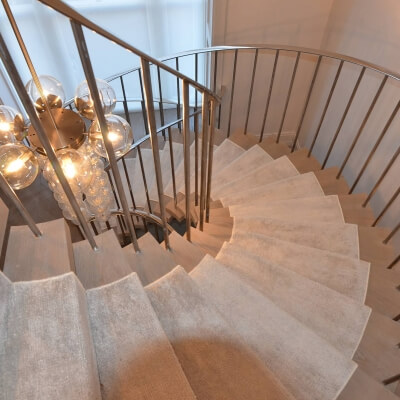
119	133
84	102
76	167
52	90
12	126
18	165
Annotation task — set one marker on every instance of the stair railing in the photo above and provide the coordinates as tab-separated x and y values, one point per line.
270	121
77	23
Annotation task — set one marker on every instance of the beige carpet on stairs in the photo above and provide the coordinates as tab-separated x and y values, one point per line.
305	363
299	186
47	352
321	209
216	361
276	170
251	159
134	357
346	275
336	318
337	238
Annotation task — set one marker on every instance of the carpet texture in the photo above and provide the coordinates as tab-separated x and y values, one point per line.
255	157
215	359
298	186
337	238
344	274
331	315
134	357
48	350
276	170
321	209
305	363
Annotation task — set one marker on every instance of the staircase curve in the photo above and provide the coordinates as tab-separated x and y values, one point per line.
284	287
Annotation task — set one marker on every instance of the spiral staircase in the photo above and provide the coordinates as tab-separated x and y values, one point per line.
284	287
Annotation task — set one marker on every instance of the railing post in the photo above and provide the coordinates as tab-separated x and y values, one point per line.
91	80
186	150
203	173
9	192
210	157
26	101
151	122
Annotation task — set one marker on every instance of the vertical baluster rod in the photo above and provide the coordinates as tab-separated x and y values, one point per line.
196	135
271	84
178	91
210	158
251	91
232	92
186	159
366	118
160	104
203	166
382	177
394	262
9	192
390	202
327	103
303	114
346	111
151	121
91	80
391	234
288	97
376	145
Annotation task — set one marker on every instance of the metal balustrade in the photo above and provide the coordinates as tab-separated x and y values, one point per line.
223	77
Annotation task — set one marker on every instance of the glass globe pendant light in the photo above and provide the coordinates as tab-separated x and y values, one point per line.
119	134
52	89
76	167
84	102
12	125
18	165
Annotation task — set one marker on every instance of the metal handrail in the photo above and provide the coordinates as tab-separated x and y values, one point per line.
79	19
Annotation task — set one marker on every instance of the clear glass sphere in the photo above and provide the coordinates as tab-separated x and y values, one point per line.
18	164
52	89
76	167
12	126
84	102
119	134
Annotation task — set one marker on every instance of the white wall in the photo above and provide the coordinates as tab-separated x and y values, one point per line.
285	22
293	22
369	30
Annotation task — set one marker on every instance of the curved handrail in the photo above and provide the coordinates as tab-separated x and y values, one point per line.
305	50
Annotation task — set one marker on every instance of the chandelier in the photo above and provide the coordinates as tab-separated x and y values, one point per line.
77	140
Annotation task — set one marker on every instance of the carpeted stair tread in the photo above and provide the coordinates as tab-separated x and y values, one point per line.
221	232
105	265
134	357
308	366
298	186
183	252
224	154
48	350
253	158
152	262
310	209
209	243
337	238
274	171
215	359
344	274
333	316
29	257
